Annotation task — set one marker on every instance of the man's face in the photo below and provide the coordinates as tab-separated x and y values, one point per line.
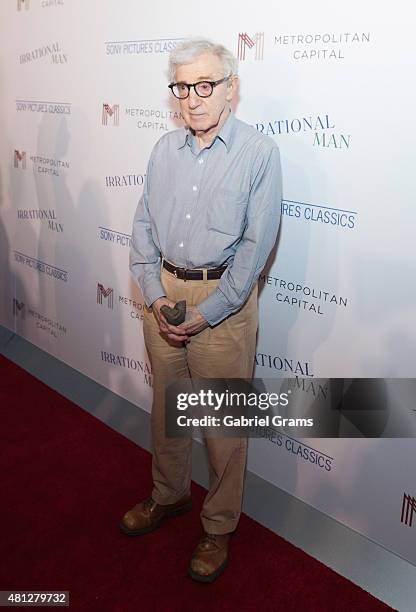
205	114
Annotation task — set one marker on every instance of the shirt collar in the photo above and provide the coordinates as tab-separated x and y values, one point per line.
226	133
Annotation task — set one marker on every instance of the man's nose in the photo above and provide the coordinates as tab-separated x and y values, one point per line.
193	99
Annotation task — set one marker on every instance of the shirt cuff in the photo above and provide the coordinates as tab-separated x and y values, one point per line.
152	290
216	307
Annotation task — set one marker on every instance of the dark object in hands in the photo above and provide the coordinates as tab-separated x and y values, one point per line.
175	315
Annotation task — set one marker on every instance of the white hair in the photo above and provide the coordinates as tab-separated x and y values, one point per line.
188	50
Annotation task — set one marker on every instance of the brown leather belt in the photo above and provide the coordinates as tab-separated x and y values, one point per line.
186	274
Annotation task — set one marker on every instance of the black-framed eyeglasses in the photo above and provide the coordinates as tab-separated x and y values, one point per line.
203	89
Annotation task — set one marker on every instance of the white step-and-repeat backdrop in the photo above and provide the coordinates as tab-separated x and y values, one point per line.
84	97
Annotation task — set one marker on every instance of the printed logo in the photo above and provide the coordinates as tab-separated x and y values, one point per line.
140	47
111	112
248	42
318	46
53	51
125	180
296	448
41	164
317	124
41	321
122	361
320	213
154	118
53	108
44	4
408	508
114	236
19	309
49	215
135	306
20	157
41	266
299	295
107	294
283	364
144	118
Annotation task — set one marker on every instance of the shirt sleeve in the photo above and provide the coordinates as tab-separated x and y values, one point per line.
145	257
258	239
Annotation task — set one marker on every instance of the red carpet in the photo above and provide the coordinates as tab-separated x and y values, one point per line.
66	481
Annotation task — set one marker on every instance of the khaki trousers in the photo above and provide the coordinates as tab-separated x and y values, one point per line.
226	350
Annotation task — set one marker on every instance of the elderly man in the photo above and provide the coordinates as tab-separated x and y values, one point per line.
204	227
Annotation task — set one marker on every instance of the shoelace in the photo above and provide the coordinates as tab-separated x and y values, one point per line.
149	503
207	539
209	536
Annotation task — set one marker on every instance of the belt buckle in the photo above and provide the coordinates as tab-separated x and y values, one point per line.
176	273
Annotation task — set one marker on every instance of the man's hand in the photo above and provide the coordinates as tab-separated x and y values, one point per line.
171	331
194	322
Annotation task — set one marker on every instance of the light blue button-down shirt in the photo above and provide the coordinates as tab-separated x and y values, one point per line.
202	208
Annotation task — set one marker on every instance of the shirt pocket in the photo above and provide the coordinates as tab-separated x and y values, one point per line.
226	211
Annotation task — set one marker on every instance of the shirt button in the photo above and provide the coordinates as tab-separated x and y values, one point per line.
201	161
181	244
194	188
187	216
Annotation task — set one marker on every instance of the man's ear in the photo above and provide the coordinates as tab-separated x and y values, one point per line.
232	86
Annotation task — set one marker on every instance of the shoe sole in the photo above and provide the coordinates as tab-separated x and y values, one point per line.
211	577
135	532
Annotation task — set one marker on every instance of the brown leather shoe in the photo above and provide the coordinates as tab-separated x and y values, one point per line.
147	515
210	557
